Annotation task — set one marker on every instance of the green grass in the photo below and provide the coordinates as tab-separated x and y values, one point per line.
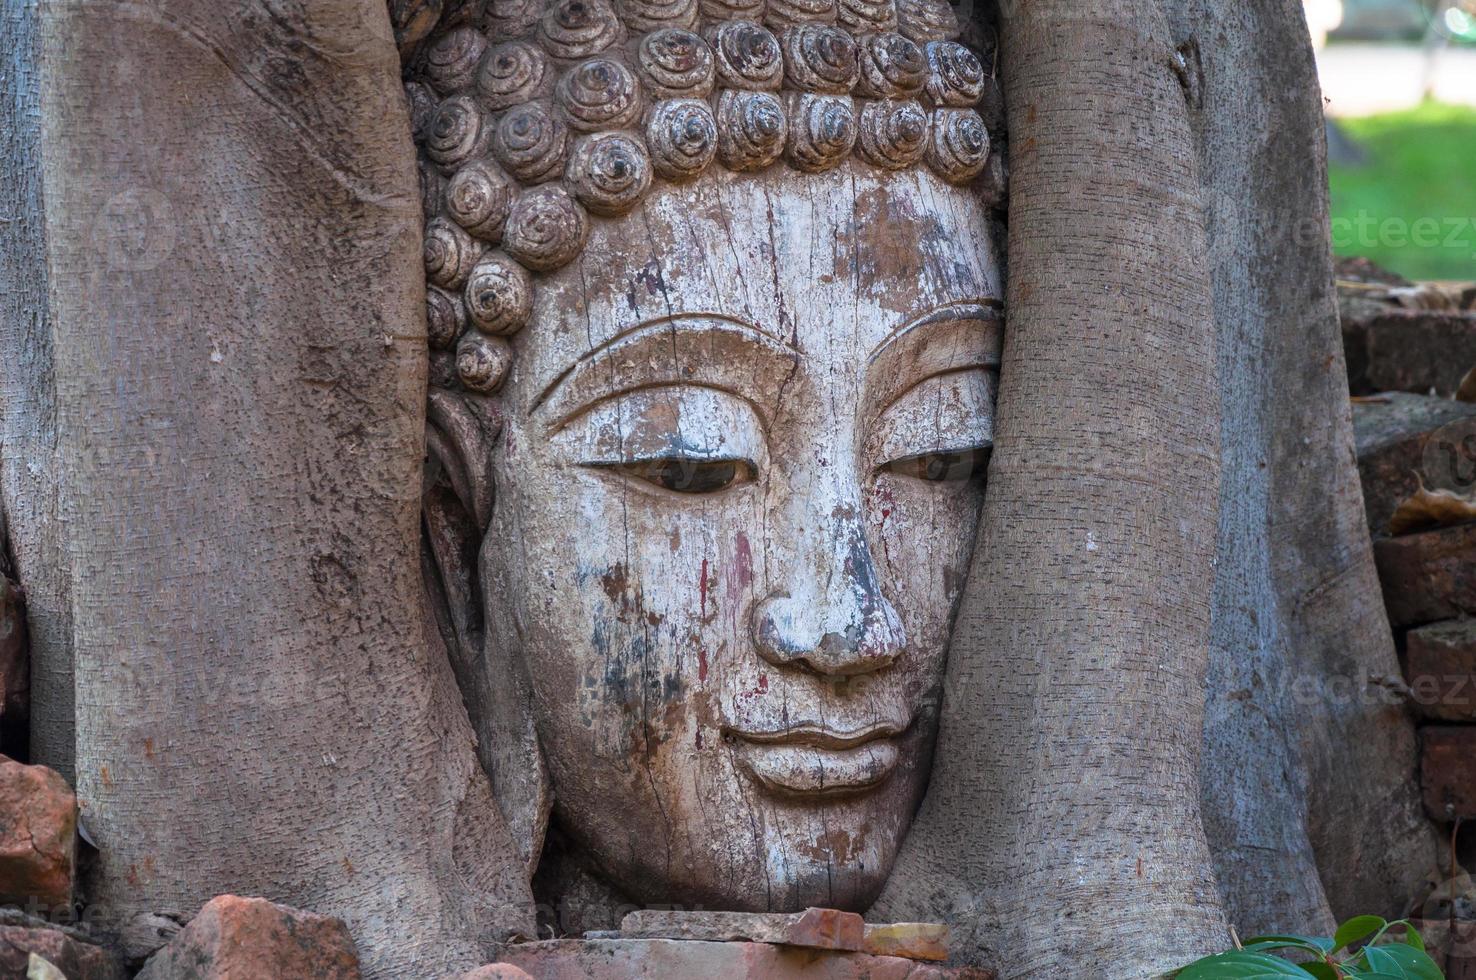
1411	207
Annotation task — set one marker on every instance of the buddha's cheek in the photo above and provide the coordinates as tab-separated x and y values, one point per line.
924	543
631	638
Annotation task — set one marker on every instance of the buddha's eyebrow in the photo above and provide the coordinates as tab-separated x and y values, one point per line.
953	337
707	349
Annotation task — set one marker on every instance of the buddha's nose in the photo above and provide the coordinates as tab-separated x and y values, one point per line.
834	618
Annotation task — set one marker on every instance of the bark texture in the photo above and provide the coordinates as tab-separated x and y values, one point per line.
28	477
1300	640
240	368
1062	827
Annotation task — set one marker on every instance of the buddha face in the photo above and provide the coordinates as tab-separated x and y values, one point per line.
740	469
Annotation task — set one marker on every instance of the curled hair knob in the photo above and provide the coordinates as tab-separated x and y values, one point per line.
546	229
499	295
482	362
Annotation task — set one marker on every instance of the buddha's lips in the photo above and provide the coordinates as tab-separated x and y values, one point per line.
811	761
820	737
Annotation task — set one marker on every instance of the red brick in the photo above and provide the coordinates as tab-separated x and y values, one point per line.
1429	576
1448	771
1419	350
1392	432
1441	670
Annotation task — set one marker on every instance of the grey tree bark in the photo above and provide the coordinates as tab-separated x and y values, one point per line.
1062	827
1301	644
239	358
28	477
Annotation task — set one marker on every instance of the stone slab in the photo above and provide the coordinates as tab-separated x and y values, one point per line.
813	928
912	940
629	959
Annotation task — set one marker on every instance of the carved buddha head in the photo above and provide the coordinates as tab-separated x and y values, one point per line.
716	323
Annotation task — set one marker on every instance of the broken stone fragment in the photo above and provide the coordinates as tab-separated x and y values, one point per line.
146	933
73	958
629	959
912	940
38	837
813	928
497	971
235	938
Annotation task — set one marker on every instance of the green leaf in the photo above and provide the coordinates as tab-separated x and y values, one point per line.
1356	928
1399	960
1314	944
1241	965
1413	938
1322	971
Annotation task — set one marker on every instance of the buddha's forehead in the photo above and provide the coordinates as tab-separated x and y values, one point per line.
831	263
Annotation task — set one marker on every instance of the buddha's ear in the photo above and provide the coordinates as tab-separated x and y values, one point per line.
459	432
456	510
456	504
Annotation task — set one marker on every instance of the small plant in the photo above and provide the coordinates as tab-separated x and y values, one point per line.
1378	956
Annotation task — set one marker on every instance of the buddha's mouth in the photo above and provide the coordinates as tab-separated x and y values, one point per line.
814	761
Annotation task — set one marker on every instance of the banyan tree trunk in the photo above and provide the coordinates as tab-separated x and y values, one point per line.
1062	826
28	477
1300	650
1299	702
236	384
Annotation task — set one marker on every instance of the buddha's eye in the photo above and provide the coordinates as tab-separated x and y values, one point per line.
949	467
684	439
687	475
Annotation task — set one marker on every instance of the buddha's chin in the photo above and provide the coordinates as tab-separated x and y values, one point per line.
788	852
810	884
